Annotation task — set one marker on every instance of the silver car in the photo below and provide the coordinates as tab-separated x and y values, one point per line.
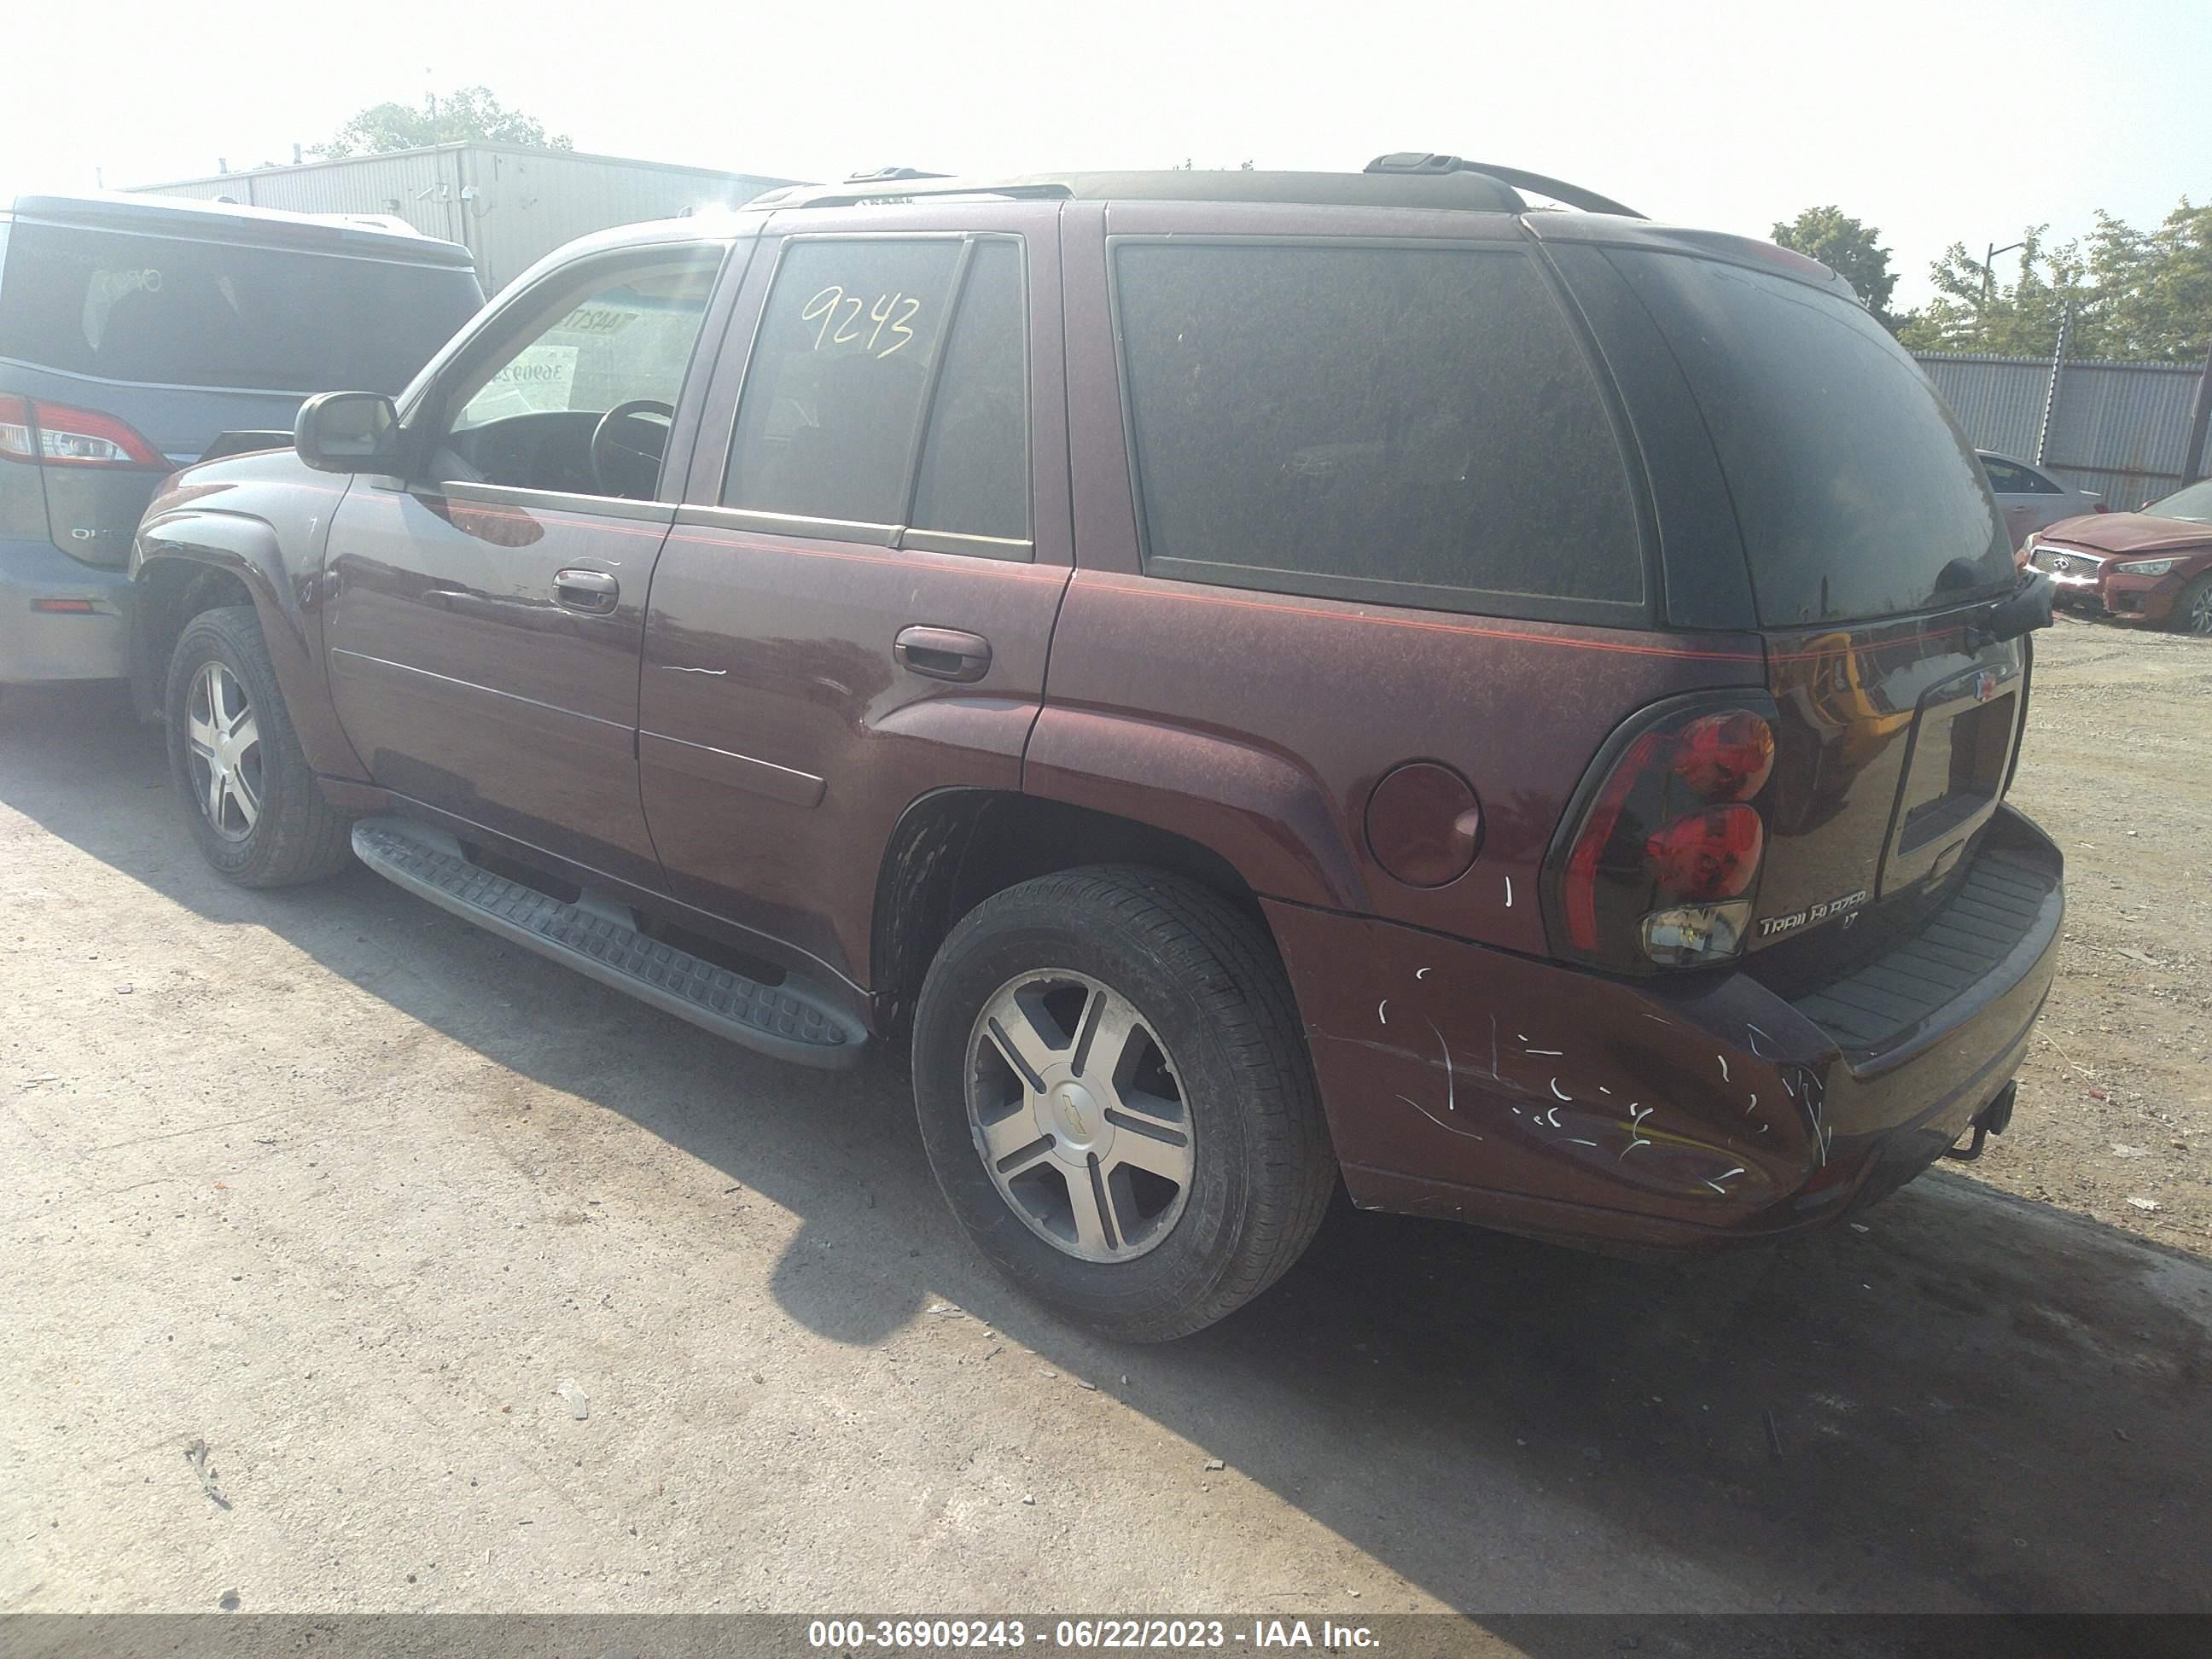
2031	497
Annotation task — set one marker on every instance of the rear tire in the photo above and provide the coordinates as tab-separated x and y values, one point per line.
2192	612
256	810
1167	1167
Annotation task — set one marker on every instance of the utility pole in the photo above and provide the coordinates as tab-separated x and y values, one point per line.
2050	396
1988	260
2200	416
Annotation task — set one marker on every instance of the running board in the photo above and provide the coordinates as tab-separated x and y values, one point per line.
790	1021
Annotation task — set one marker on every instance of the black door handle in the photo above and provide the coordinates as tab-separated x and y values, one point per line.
943	654
593	591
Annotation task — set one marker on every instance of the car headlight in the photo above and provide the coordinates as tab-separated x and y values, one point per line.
2147	566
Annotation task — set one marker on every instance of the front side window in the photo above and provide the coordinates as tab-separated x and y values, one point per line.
887	386
1412	425
577	392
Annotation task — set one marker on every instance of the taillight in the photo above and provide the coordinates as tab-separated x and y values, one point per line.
1711	855
15	440
55	434
1663	861
1726	756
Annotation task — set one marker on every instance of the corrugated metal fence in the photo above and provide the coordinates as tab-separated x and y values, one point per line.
2118	428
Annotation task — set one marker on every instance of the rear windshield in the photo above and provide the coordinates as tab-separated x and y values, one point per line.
161	311
1857	495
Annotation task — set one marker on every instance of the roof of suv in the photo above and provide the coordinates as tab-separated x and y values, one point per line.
227	221
1413	179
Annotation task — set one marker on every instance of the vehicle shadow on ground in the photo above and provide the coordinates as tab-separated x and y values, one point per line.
1979	1402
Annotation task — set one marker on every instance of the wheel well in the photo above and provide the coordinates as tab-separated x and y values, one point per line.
171	592
955	848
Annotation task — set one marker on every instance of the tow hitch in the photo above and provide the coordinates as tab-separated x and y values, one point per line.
1993	1119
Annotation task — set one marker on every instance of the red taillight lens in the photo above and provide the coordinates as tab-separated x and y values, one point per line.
1661	869
2100	507
1725	757
55	434
1711	855
1597	834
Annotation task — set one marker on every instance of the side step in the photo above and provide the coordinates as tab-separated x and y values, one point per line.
785	1020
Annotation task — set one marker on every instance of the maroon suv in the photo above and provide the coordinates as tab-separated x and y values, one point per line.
1255	680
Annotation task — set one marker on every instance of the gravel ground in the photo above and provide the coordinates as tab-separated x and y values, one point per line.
355	1260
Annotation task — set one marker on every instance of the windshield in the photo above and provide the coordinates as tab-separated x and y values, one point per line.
2194	504
1856	494
157	310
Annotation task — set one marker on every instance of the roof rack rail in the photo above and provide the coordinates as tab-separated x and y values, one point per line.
885	175
1414	161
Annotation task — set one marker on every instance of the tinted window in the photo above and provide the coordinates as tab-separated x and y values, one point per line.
155	309
975	477
834	389
2010	478
1417	426
1855	491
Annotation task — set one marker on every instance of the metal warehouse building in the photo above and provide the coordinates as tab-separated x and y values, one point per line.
508	204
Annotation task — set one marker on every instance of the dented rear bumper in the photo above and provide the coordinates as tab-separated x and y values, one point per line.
1666	1116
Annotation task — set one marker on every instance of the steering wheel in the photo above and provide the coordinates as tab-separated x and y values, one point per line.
627	447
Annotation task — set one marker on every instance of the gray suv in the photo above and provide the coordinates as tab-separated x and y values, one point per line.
138	334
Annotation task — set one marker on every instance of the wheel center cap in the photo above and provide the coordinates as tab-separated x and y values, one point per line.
1077	1117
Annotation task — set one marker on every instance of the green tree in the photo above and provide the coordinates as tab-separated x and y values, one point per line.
1852	249
471	113
2144	295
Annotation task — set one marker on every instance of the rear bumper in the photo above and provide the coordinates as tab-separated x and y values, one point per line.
38	644
1659	1117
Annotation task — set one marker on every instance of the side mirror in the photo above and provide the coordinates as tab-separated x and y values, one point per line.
348	432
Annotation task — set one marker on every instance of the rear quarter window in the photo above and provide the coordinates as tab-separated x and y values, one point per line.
162	310
1415	426
1857	493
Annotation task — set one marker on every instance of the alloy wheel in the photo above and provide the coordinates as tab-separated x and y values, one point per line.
2200	610
1077	1112
225	741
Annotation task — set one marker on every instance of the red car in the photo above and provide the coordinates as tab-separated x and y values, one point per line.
2155	566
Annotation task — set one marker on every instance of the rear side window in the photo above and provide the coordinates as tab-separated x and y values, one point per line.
1856	494
887	386
160	310
1415	426
975	477
2009	479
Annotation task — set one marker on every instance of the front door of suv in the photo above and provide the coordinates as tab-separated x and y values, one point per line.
484	629
855	605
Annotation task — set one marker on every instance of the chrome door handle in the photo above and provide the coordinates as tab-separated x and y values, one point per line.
592	591
943	654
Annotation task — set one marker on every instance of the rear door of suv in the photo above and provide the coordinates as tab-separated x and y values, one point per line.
855	605
131	338
1873	551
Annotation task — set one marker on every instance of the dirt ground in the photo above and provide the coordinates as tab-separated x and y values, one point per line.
352	1259
2115	1118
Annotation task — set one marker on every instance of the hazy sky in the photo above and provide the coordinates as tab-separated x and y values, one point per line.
1938	121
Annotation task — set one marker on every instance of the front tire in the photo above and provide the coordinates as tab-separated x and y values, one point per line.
1116	1099
2192	612
256	810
